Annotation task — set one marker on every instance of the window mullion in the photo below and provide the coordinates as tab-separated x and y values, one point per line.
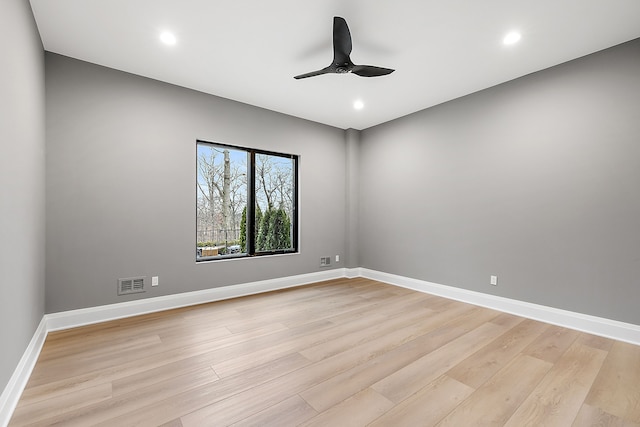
251	204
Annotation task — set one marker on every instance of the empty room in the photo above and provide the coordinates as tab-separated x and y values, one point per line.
409	213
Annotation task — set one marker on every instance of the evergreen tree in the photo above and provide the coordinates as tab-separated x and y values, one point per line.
243	231
272	230
287	231
262	241
279	237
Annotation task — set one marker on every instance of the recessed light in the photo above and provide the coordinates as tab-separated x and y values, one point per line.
168	38
358	105
511	38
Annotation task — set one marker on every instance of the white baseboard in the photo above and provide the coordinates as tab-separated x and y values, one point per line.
69	319
614	329
352	273
86	316
12	392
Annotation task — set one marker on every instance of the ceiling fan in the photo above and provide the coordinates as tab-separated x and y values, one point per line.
341	50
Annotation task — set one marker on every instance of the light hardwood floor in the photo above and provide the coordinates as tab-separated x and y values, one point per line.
349	352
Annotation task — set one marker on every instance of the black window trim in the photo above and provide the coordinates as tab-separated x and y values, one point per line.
251	216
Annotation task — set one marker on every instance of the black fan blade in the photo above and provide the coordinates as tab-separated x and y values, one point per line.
341	41
371	71
325	70
341	51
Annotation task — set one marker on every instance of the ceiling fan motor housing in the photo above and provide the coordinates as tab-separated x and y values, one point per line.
343	68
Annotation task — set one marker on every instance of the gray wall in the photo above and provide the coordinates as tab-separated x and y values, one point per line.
535	181
21	182
121	184
532	181
352	139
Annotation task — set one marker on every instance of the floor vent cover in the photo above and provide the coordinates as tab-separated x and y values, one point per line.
131	285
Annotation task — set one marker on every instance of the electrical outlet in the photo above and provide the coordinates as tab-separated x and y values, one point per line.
494	280
337	258
154	281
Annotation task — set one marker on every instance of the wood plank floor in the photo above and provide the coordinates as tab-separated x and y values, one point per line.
349	352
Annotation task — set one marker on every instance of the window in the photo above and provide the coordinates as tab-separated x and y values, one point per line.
247	202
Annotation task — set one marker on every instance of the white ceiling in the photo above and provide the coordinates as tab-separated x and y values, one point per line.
249	50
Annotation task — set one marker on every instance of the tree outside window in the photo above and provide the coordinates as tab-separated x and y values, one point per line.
246	202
